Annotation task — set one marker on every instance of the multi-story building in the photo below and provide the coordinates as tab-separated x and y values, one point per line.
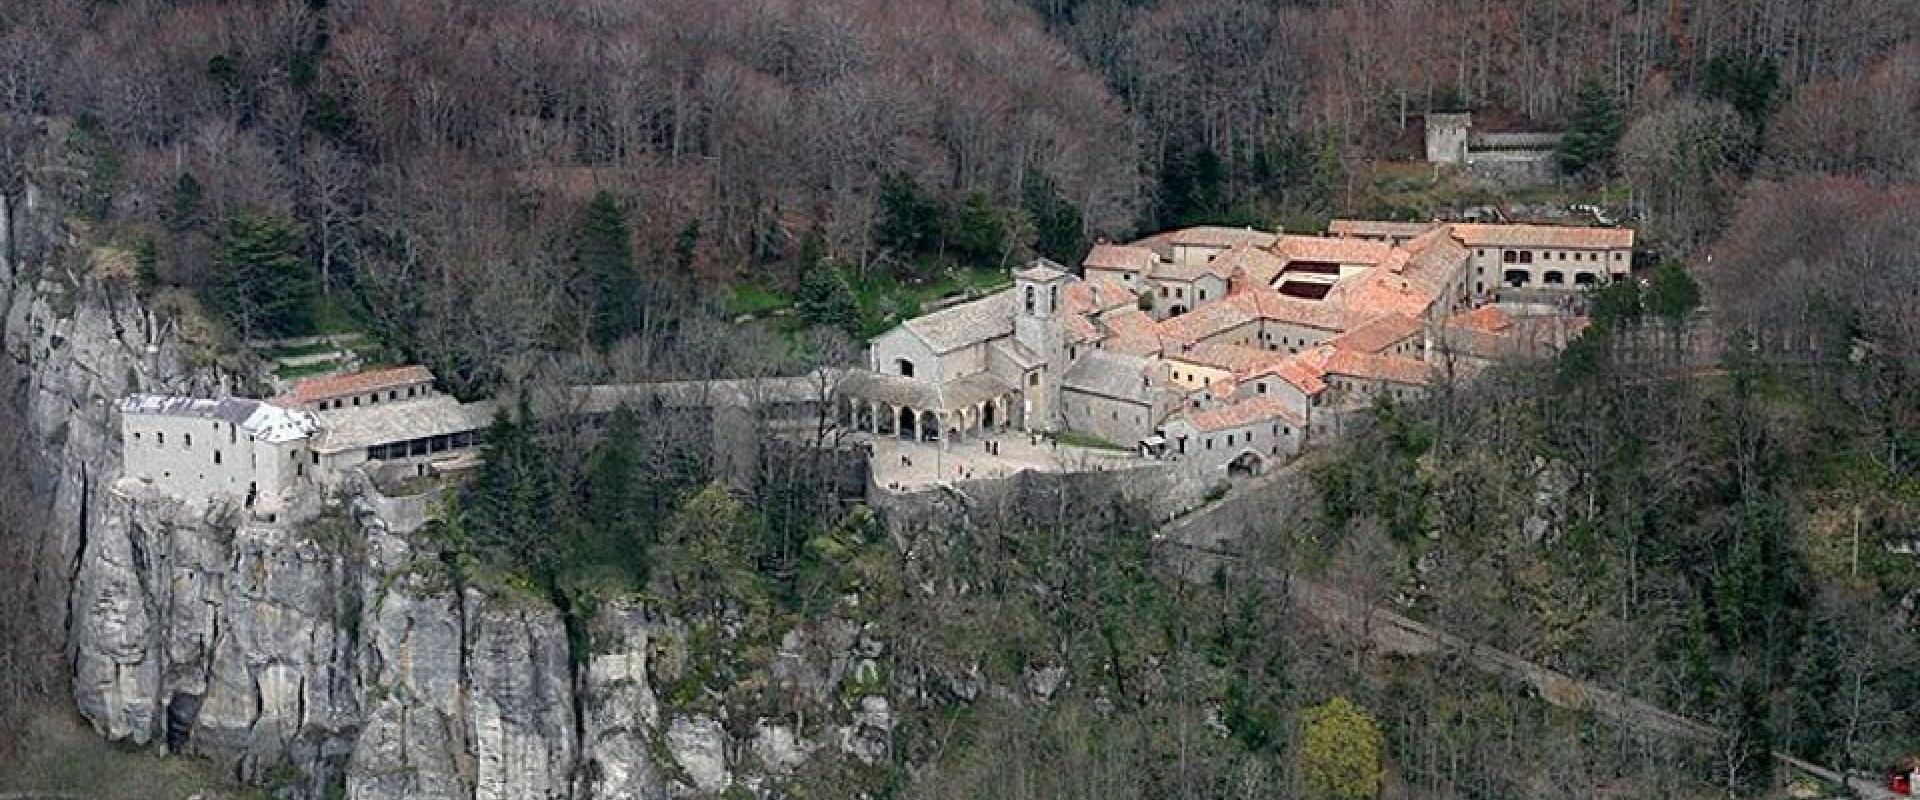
1222	347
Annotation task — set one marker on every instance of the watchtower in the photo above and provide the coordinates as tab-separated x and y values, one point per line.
1447	137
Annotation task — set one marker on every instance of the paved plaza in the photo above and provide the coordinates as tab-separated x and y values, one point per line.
906	465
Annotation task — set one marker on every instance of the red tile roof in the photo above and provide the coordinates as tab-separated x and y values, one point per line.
1567	236
1330	250
1394	369
1378	334
314	390
1368	227
1208	320
1244	412
1124	257
1485	319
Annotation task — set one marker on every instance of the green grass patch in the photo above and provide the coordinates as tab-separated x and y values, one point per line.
301	350
1078	439
755	300
307	371
60	756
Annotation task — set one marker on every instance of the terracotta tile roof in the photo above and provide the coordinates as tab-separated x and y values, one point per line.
314	390
1264	303
1303	373
1485	319
1148	345
1095	295
1081	329
1394	369
1124	257
1567	236
1378	334
1331	250
1204	236
1246	263
1432	262
1130	322
1368	227
1378	293
1208	320
1234	358
1244	412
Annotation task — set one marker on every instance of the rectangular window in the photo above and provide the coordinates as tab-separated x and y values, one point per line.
189	441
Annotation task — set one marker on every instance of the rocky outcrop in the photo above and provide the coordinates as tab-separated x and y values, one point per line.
345	657
619	713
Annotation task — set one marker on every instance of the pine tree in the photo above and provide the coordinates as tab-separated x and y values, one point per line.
1594	133
605	255
1059	230
261	280
980	230
826	298
612	531
910	221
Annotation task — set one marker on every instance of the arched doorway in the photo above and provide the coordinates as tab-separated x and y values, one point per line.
1246	465
929	427
906	424
1517	278
987	416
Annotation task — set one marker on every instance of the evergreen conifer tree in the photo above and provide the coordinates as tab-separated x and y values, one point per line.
1594	132
605	255
261	280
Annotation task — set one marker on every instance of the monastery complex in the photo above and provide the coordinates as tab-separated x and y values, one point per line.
1224	350
1212	351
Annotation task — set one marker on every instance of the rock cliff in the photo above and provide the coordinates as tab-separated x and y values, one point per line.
346	658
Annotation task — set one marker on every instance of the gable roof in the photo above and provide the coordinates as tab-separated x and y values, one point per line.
1247	261
314	390
1386	228
1117	375
1523	235
1331	250
1124	257
1042	271
968	323
261	419
1371	366
1260	408
1378	334
1208	320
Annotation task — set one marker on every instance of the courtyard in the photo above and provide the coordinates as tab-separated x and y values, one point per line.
906	465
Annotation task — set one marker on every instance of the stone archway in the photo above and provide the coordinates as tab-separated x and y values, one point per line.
988	415
929	426
1247	464
906	423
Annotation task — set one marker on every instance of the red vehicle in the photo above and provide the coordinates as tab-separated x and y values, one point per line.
1901	779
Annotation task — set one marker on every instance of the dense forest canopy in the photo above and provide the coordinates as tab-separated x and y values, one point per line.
421	154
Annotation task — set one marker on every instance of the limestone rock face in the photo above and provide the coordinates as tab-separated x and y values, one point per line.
619	711
347	654
521	700
699	746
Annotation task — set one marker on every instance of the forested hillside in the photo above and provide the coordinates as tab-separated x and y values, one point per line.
426	165
1707	502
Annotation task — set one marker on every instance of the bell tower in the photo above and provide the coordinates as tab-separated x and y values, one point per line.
1038	327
